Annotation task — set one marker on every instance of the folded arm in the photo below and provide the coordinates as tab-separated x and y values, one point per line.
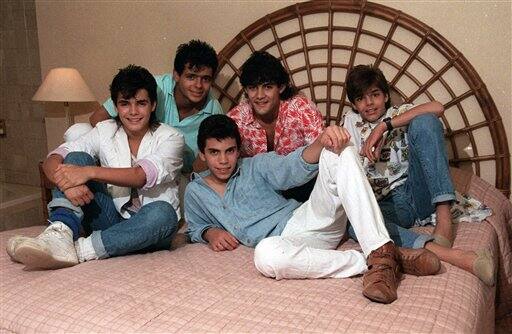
220	239
202	226
371	148
300	166
68	176
99	114
78	195
333	138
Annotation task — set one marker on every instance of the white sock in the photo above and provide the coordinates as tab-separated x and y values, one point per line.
59	224
85	250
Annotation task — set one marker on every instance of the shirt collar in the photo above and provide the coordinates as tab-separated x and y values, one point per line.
247	113
374	123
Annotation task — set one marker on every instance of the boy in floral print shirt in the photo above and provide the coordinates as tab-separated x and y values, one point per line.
390	170
274	116
403	154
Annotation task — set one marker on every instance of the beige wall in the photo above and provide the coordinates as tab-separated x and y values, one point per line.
24	143
99	37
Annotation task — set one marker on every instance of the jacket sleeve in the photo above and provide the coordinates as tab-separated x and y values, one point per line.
164	162
88	143
284	171
198	220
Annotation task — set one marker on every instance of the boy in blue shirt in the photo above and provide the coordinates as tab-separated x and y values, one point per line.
239	202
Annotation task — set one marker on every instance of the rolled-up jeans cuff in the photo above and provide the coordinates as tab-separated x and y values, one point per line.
65	203
448	197
421	240
98	246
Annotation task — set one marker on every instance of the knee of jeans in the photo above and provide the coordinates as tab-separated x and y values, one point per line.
79	159
425	124
269	257
161	213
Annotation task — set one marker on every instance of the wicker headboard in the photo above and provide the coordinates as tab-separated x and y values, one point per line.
319	41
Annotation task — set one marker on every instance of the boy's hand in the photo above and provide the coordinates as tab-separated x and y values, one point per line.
373	145
79	195
68	176
334	138
220	240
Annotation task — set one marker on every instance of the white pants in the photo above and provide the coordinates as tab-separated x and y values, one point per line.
306	247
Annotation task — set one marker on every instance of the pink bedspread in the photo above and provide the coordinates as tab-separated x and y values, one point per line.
193	289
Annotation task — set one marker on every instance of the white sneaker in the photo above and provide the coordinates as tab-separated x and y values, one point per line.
52	249
12	245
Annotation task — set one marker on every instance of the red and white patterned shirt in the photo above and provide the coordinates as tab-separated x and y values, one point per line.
299	123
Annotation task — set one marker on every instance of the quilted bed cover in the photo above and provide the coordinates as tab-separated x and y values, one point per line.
193	289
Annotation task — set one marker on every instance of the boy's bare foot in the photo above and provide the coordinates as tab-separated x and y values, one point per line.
484	268
443	232
479	263
442	241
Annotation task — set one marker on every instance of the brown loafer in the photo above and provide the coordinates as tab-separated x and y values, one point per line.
380	282
418	262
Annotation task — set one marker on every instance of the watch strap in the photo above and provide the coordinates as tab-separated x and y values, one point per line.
387	121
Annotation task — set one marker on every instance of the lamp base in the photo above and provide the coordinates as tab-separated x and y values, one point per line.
69	117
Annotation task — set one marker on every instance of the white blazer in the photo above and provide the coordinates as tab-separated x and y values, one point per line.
163	148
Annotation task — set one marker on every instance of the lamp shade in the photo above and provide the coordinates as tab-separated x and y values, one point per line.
64	85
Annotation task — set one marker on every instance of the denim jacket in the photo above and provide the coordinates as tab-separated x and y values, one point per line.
252	207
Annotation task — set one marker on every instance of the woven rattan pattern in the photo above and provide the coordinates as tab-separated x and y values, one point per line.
319	41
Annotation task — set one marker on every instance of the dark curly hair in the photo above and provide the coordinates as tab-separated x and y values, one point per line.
263	68
219	127
196	54
128	81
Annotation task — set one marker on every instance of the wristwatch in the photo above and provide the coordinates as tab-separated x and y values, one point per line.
389	126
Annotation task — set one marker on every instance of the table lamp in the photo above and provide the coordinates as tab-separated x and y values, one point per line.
64	85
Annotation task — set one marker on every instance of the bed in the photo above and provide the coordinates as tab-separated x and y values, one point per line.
192	289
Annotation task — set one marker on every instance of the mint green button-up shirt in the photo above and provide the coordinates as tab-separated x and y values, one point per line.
167	112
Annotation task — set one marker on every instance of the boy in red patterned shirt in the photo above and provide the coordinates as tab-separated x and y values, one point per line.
274	116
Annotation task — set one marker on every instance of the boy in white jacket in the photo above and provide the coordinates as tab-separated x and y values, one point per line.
127	204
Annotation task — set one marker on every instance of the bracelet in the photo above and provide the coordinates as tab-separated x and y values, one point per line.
389	126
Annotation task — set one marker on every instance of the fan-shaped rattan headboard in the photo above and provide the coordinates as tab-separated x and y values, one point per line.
319	41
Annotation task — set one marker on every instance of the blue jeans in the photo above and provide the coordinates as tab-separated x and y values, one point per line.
150	229
428	183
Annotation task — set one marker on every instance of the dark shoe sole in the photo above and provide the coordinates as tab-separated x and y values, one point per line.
379	298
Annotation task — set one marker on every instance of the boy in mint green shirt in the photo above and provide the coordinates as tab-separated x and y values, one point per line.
184	98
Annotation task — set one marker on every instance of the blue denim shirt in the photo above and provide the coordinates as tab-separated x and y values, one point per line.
252	207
